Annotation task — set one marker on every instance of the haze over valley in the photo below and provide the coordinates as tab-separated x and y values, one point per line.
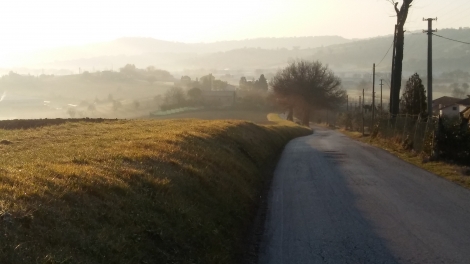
63	71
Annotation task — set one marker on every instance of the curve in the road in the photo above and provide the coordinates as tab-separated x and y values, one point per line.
336	200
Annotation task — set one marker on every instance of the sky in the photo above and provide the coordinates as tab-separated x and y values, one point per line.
27	25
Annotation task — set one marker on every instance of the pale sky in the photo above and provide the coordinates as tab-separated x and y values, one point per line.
27	25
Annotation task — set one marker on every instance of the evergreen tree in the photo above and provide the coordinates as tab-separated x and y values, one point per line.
413	100
262	83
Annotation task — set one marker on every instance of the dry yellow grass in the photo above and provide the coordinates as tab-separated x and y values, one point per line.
176	191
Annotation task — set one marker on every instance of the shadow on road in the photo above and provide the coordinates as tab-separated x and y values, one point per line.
313	215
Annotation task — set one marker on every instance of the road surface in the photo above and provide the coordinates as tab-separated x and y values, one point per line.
336	200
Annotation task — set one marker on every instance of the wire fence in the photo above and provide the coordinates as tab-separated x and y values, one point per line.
414	132
445	138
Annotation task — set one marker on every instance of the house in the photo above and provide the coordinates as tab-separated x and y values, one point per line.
443	102
455	109
465	118
219	98
466	113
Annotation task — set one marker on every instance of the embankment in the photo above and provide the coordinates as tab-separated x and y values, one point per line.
176	191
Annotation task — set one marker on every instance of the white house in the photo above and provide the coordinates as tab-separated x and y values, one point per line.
453	110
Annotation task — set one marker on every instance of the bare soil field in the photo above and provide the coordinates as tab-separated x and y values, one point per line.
258	117
35	123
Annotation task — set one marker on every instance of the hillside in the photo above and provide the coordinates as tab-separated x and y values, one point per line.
247	55
176	191
137	51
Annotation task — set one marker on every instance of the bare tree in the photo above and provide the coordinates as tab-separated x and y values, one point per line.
402	15
308	85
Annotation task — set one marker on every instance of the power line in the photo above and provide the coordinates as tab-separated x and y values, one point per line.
468	43
386	54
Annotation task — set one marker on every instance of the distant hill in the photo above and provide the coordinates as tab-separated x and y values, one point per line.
113	52
447	55
341	54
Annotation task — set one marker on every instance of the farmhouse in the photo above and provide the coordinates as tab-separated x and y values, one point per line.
455	109
443	102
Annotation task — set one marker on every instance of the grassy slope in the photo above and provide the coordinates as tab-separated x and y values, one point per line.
448	171
175	191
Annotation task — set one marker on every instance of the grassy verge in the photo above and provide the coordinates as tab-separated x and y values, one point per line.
448	171
143	191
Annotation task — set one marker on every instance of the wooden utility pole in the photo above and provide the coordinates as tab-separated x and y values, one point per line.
393	69
373	94
381	102
363	112
347	103
429	32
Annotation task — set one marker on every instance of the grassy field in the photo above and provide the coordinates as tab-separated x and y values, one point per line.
258	117
451	172
143	191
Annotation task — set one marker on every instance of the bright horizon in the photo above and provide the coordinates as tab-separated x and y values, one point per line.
28	25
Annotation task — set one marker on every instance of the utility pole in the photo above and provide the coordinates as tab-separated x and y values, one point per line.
381	102
429	31
373	94
393	68
347	103
363	112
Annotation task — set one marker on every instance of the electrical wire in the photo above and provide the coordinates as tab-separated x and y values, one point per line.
386	54
468	43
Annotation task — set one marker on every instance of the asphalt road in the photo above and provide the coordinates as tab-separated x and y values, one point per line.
336	200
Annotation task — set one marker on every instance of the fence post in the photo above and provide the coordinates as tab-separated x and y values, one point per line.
416	130
395	127
425	132
404	128
388	126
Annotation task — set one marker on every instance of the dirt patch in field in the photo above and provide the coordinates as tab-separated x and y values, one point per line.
258	117
34	123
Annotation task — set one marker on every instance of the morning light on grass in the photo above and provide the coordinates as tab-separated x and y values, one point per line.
176	191
208	132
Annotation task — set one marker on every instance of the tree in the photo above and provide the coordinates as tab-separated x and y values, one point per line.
262	83
402	15
243	83
308	85
174	96
195	94
129	70
413	101
206	82
186	81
